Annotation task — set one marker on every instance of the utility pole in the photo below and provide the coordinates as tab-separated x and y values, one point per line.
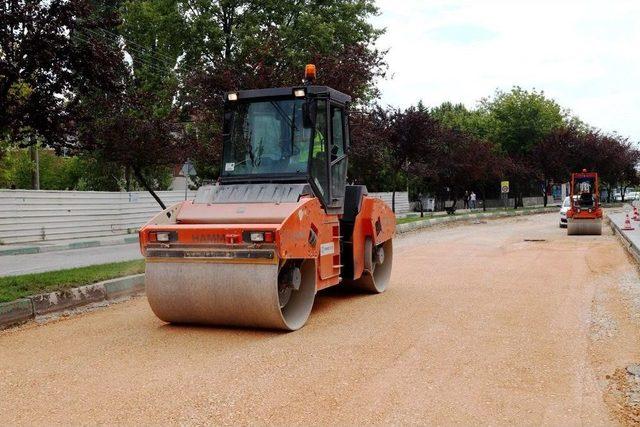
188	171
35	172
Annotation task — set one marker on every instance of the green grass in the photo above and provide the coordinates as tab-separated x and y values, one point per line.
428	215
412	219
14	287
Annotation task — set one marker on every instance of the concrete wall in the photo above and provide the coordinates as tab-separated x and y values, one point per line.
402	200
36	216
31	216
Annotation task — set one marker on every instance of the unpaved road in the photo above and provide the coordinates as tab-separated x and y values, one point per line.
478	327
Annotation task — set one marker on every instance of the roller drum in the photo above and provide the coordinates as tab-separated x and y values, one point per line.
235	294
584	227
377	268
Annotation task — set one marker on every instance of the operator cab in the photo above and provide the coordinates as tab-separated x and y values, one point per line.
584	188
288	135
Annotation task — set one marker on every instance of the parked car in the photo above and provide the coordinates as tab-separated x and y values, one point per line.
563	211
629	196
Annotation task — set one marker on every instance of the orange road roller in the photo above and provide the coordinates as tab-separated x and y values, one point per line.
585	215
280	224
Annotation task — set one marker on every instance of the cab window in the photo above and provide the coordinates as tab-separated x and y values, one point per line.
338	158
318	156
337	128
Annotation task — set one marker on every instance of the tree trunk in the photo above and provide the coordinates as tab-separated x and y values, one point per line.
144	183
227	29
545	193
35	167
393	200
484	198
393	194
127	178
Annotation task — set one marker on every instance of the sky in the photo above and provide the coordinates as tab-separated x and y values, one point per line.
583	53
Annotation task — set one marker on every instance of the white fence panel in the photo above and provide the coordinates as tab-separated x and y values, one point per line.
30	216
36	216
402	200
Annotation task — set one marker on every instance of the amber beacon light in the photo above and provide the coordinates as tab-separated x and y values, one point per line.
310	72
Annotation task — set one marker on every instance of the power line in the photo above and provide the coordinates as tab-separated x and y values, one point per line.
129	42
138	48
141	52
140	59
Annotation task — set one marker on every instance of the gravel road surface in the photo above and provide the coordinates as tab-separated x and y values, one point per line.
13	265
479	326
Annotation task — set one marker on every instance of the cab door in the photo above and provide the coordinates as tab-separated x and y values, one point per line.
338	155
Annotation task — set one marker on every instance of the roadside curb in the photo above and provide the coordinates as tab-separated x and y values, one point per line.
25	309
68	298
14	312
66	246
429	222
633	250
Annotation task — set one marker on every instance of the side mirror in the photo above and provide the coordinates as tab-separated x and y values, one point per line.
309	113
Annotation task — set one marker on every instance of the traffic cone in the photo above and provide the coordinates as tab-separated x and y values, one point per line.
635	214
627	224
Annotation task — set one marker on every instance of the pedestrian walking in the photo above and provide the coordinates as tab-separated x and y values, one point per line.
465	199
472	200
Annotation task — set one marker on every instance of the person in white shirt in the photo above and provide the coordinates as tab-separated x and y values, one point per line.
472	200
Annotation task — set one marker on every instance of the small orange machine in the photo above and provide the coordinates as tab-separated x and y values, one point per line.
280	225
585	214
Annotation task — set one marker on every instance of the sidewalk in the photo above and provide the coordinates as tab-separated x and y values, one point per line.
476	215
64	245
631	238
28	263
477	210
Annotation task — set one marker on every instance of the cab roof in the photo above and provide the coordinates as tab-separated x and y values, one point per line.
288	92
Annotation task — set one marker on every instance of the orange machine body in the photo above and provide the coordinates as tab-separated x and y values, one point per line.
281	223
585	200
301	230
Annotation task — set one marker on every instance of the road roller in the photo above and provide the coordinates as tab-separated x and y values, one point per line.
585	214
279	225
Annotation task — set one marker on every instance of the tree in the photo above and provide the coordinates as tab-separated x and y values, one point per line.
230	32
614	158
78	73
550	156
127	130
241	44
150	39
44	62
462	119
411	145
488	166
368	153
517	121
